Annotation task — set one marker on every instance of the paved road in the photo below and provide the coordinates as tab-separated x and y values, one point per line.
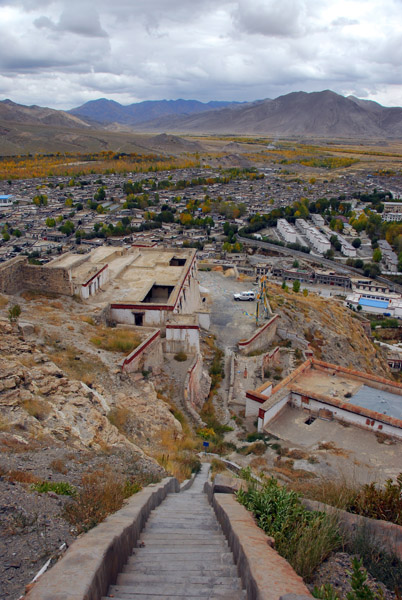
330	264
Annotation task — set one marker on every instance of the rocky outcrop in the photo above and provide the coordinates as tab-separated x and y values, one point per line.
38	399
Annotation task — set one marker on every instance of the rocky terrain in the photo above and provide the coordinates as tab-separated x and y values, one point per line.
65	422
335	334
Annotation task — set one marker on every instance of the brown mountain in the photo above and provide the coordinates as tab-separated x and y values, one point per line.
36	115
318	114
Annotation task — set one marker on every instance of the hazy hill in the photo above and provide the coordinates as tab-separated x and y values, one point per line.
109	111
319	114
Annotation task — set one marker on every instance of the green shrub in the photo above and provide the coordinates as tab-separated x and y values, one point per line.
383	565
63	488
180	357
305	538
380	503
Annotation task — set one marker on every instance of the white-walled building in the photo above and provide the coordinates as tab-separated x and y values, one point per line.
287	231
318	241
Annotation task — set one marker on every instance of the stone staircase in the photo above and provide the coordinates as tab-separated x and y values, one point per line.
182	553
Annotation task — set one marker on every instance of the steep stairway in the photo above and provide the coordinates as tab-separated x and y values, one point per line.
182	553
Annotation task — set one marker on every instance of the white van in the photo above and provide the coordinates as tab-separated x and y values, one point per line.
250	296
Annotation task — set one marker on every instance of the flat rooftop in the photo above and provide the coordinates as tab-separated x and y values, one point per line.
361	393
349	390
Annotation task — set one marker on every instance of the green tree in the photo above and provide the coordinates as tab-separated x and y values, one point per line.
357	243
50	222
296	286
305	292
100	194
14	313
377	255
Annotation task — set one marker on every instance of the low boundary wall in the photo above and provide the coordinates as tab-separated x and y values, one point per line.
137	359
264	573
386	535
192	394
94	560
261	339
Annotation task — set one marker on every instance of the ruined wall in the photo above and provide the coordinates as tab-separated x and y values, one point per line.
55	280
17	274
10	275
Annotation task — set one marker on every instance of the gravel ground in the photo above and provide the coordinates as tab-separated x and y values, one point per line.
336	571
32	529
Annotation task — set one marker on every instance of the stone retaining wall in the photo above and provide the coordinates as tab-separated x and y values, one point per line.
147	354
261	339
386	535
17	274
94	560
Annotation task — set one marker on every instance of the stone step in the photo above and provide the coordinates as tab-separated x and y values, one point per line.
232	595
182	549
195	537
162	589
171	560
187	527
139	579
191	570
191	577
186	544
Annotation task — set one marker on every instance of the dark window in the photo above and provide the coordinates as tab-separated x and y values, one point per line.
139	318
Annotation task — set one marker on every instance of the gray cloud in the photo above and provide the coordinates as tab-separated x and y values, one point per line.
65	52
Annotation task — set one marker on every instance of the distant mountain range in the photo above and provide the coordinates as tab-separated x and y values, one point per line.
109	111
105	124
316	114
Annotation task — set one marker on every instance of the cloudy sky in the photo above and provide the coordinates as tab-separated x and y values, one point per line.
61	53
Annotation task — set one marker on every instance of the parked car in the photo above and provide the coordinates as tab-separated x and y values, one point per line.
249	295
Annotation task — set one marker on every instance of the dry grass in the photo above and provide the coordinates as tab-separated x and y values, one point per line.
39	409
86	319
37	295
57	305
177	453
217	466
339	493
333	449
22	477
4	424
59	466
102	493
87	369
286	469
13	445
3	301
118	417
115	340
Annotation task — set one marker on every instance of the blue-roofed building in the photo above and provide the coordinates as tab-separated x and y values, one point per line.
380	304
6	200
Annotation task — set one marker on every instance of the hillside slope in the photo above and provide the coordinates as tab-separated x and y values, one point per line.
319	114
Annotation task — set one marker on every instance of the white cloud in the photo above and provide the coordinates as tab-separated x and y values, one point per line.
65	52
